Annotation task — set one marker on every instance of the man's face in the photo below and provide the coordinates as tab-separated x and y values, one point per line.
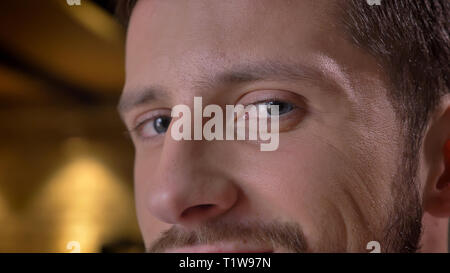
330	182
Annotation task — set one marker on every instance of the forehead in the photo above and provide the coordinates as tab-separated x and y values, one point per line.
185	39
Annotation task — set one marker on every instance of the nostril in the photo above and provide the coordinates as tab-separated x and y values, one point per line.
197	210
205	206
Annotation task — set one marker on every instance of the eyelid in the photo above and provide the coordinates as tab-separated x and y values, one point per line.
289	120
138	126
152	114
261	96
257	97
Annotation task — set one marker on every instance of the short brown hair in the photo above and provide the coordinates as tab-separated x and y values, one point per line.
124	9
410	38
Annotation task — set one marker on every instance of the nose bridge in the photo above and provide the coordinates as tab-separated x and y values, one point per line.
187	188
173	172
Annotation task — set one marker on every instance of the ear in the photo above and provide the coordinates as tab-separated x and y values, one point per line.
436	195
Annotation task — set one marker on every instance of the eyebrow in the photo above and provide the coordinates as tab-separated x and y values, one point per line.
250	72
237	74
139	96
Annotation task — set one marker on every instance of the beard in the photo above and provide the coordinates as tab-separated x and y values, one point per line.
404	228
286	235
401	233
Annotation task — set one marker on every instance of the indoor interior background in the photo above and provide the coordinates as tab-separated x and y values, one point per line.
65	163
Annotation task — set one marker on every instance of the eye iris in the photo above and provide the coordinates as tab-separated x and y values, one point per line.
161	124
283	107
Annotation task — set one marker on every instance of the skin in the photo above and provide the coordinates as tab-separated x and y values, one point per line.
339	150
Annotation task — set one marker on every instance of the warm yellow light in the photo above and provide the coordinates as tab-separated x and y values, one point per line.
95	20
86	201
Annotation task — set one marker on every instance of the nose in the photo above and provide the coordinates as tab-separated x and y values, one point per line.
190	186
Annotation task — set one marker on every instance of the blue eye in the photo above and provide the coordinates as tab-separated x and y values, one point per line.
153	126
283	107
161	124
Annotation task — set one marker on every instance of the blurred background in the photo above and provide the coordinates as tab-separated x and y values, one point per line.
65	163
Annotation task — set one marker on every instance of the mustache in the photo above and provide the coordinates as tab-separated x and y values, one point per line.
276	234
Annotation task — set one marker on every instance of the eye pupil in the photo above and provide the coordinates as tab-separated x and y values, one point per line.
161	124
283	107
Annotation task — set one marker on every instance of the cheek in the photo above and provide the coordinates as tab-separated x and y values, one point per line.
300	182
312	182
144	172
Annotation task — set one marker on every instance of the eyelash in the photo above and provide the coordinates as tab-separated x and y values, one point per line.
142	123
294	106
136	129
